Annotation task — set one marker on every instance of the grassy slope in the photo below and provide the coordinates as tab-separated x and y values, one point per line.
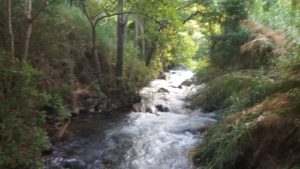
260	127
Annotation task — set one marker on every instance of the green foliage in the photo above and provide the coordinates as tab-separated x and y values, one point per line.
240	140
240	90
135	71
222	45
56	107
232	12
185	50
21	132
225	50
223	150
218	92
290	65
205	72
284	12
252	88
66	31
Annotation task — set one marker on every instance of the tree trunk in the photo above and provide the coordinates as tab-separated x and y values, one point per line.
28	29
93	23
120	45
11	33
94	50
71	2
136	34
150	54
143	39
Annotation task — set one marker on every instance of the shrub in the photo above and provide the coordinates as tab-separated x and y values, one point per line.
135	71
207	72
214	95
225	50
21	123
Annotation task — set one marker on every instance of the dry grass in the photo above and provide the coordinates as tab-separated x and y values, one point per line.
268	108
276	143
271	141
266	40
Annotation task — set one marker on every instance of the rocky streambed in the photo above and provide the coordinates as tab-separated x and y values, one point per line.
158	134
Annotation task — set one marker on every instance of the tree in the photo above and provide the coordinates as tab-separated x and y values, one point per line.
95	12
28	27
139	35
121	27
143	48
93	20
120	46
10	28
28	21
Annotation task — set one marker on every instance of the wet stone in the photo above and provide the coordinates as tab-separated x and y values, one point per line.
74	164
163	90
187	83
150	110
162	108
163	77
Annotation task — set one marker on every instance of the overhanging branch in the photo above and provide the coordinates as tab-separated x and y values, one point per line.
191	16
128	12
44	5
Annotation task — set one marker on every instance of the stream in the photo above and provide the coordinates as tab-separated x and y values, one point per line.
158	135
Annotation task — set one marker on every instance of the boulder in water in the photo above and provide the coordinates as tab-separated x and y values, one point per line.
57	167
74	164
163	90
150	110
187	83
163	77
162	108
138	107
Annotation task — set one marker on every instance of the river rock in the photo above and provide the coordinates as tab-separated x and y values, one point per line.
116	104
150	110
138	107
163	77
162	108
187	83
163	90
97	165
57	167
74	164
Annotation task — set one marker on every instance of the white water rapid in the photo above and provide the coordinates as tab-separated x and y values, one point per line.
150	138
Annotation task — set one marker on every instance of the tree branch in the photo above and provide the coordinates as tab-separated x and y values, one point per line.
191	16
127	12
45	3
86	13
186	5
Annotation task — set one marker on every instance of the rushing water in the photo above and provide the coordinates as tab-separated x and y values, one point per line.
148	139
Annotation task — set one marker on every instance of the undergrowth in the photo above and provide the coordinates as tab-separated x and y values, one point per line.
22	135
257	85
254	102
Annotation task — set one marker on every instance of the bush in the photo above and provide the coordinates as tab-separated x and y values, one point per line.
207	72
21	123
218	91
135	71
225	50
243	142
